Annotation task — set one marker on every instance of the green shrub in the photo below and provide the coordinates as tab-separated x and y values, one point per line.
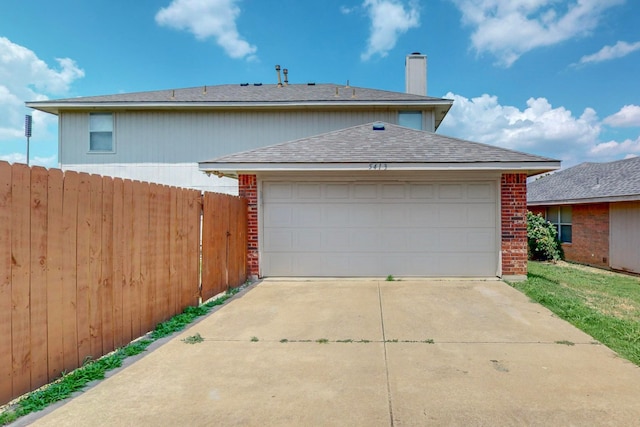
542	238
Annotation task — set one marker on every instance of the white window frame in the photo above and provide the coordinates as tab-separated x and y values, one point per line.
113	134
408	113
560	220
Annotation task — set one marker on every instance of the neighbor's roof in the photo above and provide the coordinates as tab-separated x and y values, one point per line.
249	96
587	183
396	147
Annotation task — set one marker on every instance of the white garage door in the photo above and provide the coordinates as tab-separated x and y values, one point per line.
379	228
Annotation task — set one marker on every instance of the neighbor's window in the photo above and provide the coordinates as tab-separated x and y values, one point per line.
560	216
101	132
410	119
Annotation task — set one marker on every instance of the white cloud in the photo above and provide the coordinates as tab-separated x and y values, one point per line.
507	29
628	116
25	77
538	129
389	19
625	149
209	18
47	162
607	53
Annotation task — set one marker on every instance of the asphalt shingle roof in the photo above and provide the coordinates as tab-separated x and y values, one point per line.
588	181
363	144
252	93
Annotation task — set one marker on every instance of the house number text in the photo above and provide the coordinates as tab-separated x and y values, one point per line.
377	166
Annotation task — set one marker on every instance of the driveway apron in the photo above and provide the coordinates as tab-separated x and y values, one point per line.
347	352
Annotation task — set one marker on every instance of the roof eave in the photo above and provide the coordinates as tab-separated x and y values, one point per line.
587	200
441	106
530	168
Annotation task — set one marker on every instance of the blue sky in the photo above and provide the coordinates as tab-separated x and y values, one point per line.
558	78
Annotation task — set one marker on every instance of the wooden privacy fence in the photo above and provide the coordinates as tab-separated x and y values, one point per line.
89	263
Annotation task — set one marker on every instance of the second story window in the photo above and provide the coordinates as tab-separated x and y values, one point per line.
101	132
410	119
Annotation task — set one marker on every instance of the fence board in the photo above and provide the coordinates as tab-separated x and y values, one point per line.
127	261
55	252
20	275
6	386
38	279
146	247
150	260
70	283
83	279
194	211
95	267
117	255
165	237
140	226
106	270
174	251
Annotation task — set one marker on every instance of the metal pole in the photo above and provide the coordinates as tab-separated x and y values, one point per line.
27	132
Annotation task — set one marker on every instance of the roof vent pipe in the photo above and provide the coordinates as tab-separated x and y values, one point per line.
279	77
286	76
378	126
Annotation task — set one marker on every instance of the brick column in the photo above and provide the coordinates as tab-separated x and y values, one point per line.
513	195
248	188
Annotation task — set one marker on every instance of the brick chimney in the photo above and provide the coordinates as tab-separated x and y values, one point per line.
416	74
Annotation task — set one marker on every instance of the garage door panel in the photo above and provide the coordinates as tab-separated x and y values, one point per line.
278	240
337	191
336	215
450	191
481	215
308	191
365	191
308	240
422	215
279	215
364	215
364	240
482	192
424	240
421	191
379	228
393	191
278	191
307	215
450	215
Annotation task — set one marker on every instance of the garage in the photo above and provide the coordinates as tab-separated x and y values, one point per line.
415	228
378	199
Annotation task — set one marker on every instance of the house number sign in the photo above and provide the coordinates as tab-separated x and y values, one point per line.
377	166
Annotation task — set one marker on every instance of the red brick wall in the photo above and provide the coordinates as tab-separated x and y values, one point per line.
590	235
513	196
539	210
248	188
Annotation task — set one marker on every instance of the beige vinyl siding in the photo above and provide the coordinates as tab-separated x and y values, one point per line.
182	137
624	230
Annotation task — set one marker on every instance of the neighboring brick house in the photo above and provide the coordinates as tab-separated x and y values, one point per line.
596	208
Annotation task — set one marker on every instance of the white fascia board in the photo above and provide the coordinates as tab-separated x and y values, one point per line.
529	168
606	199
54	107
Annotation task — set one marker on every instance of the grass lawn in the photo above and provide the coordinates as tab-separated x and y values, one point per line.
603	304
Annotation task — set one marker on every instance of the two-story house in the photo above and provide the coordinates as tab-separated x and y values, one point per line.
341	180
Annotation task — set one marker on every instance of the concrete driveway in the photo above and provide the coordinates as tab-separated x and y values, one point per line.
401	353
